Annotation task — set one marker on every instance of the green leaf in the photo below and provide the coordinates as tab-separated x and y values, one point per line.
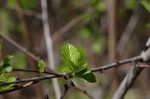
5	65
72	58
87	75
6	78
146	4
73	62
41	65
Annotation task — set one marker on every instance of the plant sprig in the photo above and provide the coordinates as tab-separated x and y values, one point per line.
74	62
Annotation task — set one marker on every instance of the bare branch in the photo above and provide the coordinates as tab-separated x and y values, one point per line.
84	92
56	35
21	48
116	64
49	45
18	87
53	75
127	82
26	12
129	30
132	75
66	89
44	77
33	71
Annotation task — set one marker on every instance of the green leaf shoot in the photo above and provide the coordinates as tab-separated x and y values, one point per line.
74	62
6	78
72	58
87	75
41	65
5	65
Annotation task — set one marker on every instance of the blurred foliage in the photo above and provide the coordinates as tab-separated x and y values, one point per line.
130	4
19	60
26	4
88	32
41	65
93	32
148	25
98	5
146	4
6	24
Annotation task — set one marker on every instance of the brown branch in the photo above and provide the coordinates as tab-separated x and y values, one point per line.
24	27
49	46
66	89
21	48
18	87
40	78
96	69
84	92
26	12
127	82
129	30
57	35
33	71
116	64
113	31
133	74
145	56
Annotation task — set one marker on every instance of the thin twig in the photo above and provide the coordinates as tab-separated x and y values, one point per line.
116	64
57	35
18	87
21	48
66	89
49	46
40	78
127	82
33	71
96	69
133	74
84	92
24	26
26	12
129	30
145	56
46	97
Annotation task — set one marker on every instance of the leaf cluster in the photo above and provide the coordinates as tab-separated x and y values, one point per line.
74	63
5	69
